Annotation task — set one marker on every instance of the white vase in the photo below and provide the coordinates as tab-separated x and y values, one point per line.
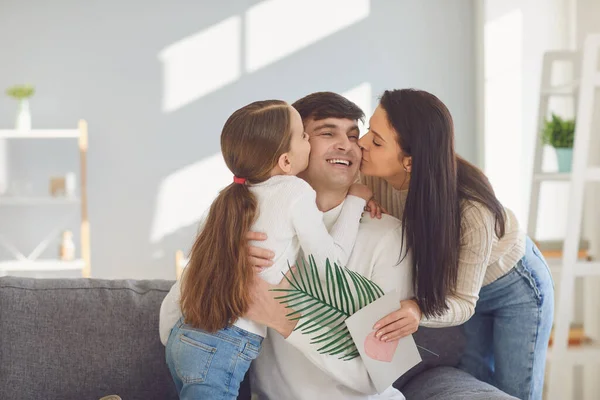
23	121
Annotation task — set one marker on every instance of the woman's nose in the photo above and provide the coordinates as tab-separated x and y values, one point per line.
362	142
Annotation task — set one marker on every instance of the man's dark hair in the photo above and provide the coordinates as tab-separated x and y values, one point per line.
321	105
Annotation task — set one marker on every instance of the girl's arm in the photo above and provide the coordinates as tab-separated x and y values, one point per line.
312	233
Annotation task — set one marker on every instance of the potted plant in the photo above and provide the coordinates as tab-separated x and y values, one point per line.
560	133
22	93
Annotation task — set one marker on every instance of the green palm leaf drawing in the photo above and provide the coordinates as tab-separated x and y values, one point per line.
324	305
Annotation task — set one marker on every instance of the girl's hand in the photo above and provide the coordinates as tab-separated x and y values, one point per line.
258	257
360	190
375	209
400	323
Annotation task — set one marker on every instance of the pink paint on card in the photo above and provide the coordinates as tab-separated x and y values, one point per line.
378	350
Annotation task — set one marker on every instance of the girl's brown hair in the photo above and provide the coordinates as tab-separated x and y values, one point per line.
215	283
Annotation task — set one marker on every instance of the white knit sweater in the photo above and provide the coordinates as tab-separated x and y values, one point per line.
483	257
293	368
288	214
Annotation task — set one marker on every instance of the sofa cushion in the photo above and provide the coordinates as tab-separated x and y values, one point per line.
438	347
82	339
448	383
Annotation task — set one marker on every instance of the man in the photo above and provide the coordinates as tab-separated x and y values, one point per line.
289	367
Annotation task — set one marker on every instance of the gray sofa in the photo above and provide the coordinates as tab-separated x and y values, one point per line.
88	338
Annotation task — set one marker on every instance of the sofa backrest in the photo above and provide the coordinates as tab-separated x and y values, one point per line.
82	339
438	347
88	338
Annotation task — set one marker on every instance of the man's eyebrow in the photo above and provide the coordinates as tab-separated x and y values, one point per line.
353	128
323	126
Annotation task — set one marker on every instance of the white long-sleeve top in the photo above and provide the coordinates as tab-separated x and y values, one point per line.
483	257
288	214
293	369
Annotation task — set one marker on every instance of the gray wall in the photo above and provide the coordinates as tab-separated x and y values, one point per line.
98	60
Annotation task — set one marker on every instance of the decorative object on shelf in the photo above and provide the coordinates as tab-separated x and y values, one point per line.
70	184
60	187
560	134
19	188
22	93
67	247
57	186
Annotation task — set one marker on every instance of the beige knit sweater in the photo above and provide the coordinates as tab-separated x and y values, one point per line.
483	257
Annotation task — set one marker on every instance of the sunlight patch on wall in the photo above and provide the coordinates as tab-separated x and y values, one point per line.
362	96
503	107
185	195
201	63
278	28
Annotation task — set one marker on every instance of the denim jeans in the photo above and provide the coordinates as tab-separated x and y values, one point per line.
507	338
210	365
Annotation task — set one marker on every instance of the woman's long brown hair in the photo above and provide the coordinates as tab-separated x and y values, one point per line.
439	181
215	283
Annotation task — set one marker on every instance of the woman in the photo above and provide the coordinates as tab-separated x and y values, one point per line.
471	262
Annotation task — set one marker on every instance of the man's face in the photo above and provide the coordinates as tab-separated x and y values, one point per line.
335	156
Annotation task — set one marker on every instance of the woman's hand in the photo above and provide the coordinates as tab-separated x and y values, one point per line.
258	257
400	323
375	209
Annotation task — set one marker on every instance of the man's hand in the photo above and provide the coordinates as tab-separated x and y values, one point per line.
266	310
400	323
258	257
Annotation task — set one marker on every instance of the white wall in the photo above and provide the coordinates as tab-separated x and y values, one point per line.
588	22
518	33
156	81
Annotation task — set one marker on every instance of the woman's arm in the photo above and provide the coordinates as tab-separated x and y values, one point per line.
477	240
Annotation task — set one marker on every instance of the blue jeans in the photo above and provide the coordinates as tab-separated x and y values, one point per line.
507	338
210	365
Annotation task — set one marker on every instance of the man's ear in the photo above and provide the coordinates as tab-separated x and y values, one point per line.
407	163
285	163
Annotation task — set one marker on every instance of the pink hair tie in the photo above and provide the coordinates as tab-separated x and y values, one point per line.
241	181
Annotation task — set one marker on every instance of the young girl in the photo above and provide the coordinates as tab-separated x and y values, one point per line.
264	144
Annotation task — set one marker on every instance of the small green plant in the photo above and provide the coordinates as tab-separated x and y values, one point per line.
559	133
20	92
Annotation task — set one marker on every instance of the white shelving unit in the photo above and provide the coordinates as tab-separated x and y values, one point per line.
43	265
562	357
40	134
32	262
33	201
